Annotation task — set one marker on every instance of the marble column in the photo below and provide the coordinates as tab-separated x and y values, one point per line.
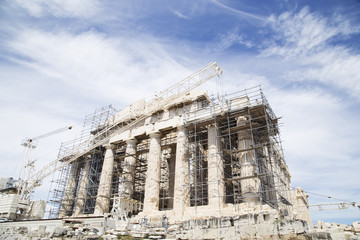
129	168
251	184
182	191
104	191
152	184
67	203
216	188
82	190
172	165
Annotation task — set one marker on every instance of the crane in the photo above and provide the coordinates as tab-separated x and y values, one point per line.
103	136
333	206
345	204
15	197
32	142
28	167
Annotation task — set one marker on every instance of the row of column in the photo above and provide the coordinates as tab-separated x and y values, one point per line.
216	188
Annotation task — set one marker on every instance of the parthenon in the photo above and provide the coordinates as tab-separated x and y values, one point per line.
196	156
185	164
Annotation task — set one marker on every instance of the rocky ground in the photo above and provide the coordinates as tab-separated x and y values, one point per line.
215	228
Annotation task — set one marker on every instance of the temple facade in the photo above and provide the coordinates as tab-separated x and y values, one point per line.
194	157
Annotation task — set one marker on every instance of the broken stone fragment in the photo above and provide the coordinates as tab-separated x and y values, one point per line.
356	227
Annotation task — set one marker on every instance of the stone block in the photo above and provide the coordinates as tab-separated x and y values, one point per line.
109	237
139	235
356	227
59	231
91	237
21	230
174	228
319	225
348	228
320	236
326	225
42	229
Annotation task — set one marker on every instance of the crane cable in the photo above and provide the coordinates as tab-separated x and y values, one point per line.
354	204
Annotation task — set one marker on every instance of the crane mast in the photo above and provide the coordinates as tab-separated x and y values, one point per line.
15	197
28	167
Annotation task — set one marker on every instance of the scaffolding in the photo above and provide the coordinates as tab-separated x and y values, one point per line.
198	167
167	171
250	165
122	204
92	124
253	166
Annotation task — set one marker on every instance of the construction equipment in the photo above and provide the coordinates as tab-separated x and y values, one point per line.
333	206
28	168
345	204
15	194
111	128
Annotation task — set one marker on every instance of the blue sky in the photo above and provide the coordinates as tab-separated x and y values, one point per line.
62	59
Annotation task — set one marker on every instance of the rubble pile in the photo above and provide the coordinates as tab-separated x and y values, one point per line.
248	226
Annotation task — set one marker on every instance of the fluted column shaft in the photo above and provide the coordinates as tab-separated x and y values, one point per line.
216	189
70	191
103	195
251	184
182	192
82	190
152	184
129	168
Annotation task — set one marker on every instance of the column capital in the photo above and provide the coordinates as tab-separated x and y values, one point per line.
131	141
155	134
181	128
108	146
212	125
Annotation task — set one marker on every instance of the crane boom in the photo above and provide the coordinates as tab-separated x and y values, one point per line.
51	133
333	206
102	137
31	142
192	81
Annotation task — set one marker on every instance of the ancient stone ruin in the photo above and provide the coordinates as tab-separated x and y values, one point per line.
183	166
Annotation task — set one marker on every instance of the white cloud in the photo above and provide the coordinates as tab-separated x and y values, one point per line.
93	62
58	77
239	12
60	8
307	41
305	33
231	38
180	15
320	137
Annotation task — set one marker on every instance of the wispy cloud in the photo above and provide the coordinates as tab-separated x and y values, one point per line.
180	15
309	41
239	12
314	124
306	32
231	38
91	61
60	8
